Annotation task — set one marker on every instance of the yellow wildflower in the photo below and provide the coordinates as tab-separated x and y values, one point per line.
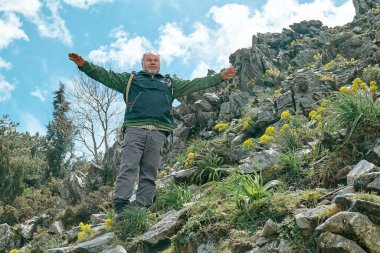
152	216
81	224
318	117
14	251
353	89
167	167
312	114
284	127
81	235
373	88
266	138
191	156
270	131
86	228
188	164
108	223
324	103
221	127
245	125
320	109
344	89
248	143
285	115
357	82
372	83
363	85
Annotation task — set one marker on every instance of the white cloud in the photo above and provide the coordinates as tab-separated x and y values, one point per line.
41	94
85	4
26	8
5	89
200	70
53	26
5	64
32	124
49	26
235	24
124	51
231	27
10	27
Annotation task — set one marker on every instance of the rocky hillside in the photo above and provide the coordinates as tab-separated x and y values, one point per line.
283	158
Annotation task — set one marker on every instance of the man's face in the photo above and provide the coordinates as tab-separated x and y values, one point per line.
151	64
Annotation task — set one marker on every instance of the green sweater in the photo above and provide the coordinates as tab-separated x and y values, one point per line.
118	81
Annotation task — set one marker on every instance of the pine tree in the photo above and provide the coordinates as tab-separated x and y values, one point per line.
11	183
59	135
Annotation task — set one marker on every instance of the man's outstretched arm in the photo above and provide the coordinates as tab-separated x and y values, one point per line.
109	78
185	87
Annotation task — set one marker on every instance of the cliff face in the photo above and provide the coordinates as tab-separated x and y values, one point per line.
306	62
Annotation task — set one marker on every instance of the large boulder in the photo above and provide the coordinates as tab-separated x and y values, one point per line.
354	226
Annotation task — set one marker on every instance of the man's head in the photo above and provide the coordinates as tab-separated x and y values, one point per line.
151	62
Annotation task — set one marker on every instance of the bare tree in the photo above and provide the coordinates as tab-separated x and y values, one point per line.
97	112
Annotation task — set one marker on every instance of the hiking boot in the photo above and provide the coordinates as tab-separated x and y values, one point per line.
119	205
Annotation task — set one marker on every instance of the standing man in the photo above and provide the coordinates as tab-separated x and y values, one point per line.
148	120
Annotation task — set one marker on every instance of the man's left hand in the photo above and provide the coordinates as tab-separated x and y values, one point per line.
228	73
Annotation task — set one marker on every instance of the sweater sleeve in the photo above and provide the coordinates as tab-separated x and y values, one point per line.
185	87
113	80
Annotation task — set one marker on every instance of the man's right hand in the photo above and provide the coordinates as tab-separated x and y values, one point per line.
77	59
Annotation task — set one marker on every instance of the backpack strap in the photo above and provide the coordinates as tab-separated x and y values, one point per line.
128	86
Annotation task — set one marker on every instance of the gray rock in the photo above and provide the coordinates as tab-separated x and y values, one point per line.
370	209
237	140
368	182
163	229
29	227
346	190
56	228
116	249
74	187
357	30
206	248
97	244
208	134
373	154
8	238
233	108
331	243
342	173
283	247
270	228
361	168
260	161
212	98
307	219
98	218
357	225
203	106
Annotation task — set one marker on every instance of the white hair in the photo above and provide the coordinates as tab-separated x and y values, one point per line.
149	52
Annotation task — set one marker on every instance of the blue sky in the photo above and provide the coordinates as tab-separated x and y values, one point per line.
191	36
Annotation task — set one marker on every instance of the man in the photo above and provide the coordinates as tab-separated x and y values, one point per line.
148	120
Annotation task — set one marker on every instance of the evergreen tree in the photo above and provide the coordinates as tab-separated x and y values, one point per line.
59	135
11	183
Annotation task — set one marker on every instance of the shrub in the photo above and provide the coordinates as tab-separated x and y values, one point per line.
355	112
172	196
208	167
372	73
134	221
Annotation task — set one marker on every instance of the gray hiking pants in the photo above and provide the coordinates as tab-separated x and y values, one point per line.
141	153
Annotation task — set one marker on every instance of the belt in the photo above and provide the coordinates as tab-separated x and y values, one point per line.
150	127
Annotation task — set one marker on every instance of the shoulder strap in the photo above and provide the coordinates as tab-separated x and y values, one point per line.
128	86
